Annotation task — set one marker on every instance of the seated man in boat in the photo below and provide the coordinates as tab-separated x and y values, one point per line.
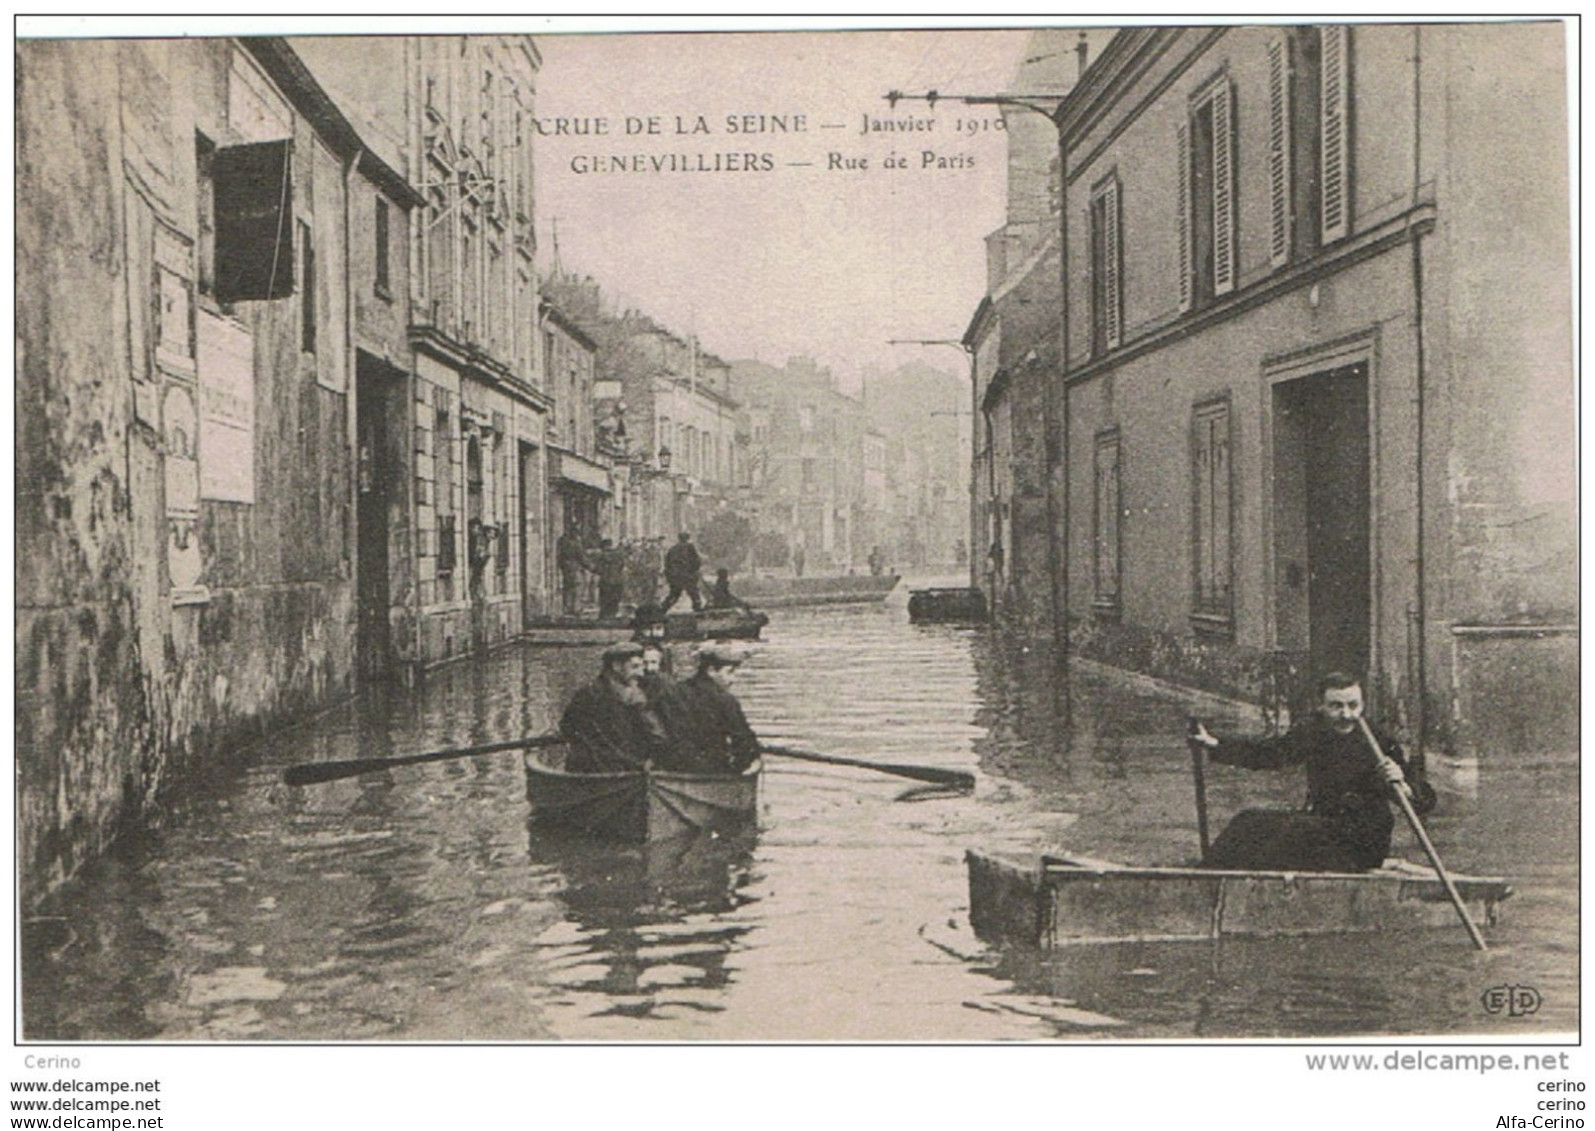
707	731
604	721
1348	822
720	595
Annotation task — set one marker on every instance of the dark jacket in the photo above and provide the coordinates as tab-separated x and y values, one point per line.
568	552
708	733
605	732
682	564
1344	784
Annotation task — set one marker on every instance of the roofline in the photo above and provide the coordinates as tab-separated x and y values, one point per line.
282	63
560	319
977	322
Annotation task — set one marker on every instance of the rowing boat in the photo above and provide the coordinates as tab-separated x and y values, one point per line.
1064	900
638	806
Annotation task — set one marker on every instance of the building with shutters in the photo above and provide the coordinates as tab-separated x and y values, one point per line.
189	213
458	502
1315	406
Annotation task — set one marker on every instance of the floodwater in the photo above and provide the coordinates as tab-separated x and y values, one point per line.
416	904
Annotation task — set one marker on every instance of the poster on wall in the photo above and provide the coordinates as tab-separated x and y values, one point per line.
227	411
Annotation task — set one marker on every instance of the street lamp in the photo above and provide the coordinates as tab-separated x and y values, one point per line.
974	408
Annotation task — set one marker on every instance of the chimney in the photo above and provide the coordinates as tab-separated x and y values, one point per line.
1081	51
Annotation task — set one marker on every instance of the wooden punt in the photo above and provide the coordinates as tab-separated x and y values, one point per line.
944	606
638	806
1067	900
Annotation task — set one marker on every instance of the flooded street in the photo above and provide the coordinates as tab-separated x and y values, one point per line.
416	904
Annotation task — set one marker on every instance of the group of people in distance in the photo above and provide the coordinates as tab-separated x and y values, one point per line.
635	715
633	569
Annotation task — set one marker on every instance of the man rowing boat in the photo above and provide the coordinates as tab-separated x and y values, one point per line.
705	729
1347	824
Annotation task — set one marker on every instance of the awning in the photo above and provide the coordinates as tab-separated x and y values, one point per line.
578	470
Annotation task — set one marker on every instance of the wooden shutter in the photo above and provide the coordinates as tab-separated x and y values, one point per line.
253	194
1113	277
1279	151
1223	188
1182	227
1334	147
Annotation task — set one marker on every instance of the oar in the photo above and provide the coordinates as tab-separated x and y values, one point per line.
1423	839
312	773
958	779
1199	769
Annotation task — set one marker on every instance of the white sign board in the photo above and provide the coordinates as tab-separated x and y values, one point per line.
226	411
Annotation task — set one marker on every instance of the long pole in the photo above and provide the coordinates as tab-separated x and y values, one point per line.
1199	771
1423	839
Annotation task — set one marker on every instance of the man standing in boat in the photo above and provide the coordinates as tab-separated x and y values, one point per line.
604	722
708	732
1348	822
682	567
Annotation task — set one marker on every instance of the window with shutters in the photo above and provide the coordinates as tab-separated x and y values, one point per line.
251	202
1107	284
1309	155
1212	498
1106	525
307	292
1205	175
383	264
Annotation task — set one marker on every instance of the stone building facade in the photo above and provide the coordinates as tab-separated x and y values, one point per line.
1315	400
187	529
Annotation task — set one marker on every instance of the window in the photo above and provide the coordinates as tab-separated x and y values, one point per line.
1211	535
1107	287
307	292
1105	525
382	265
1308	140
251	188
806	418
205	203
447	544
808	473
1205	172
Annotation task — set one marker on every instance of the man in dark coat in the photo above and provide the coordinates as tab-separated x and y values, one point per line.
708	733
682	567
604	722
570	559
611	570
1348	822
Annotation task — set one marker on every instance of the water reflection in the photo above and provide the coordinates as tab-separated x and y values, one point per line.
644	925
416	904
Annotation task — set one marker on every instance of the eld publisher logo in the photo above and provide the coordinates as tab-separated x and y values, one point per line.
1514	1001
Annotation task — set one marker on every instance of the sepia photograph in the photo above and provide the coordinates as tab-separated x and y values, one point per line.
942	532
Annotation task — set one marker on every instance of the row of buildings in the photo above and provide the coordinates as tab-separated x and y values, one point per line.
284	418
1274	368
816	474
299	408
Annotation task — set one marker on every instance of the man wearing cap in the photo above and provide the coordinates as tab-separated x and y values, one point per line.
707	731
604	722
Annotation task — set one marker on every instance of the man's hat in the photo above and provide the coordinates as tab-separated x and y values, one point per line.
720	656
625	650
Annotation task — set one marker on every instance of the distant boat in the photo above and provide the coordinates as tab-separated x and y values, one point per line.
707	624
783	592
638	806
943	606
1069	900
